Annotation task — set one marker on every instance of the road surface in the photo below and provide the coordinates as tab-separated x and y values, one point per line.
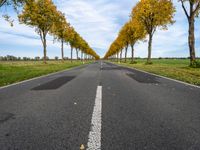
100	106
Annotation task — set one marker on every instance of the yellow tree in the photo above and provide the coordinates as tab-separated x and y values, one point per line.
73	41
135	32
84	49
79	44
191	13
60	30
116	47
123	36
153	14
40	14
82	46
119	47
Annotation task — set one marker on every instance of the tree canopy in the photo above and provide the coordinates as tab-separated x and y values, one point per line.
46	19
146	17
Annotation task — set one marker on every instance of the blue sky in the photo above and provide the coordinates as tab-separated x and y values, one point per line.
98	22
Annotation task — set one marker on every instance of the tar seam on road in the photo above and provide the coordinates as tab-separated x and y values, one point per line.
94	139
167	78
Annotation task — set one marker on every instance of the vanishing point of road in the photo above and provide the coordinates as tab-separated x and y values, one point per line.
100	106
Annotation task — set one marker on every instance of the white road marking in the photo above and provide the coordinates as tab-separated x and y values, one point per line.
94	139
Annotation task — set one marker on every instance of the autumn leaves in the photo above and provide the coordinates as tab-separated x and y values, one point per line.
146	17
46	19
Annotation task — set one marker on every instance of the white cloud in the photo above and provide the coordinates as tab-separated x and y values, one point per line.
98	22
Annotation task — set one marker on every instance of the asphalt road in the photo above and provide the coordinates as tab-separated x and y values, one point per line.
102	106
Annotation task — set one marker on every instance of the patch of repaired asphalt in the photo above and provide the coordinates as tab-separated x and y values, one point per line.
143	78
54	84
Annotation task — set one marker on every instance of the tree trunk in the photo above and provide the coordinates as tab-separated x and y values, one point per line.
149	48
45	48
191	41
43	34
85	57
71	53
132	49
77	53
126	49
62	49
117	56
81	56
121	56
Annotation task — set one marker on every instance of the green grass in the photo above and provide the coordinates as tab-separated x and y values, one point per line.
173	68
12	72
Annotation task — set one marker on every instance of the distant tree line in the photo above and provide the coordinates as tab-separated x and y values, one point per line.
14	58
37	58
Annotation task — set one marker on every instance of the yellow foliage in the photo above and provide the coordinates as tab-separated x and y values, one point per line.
154	13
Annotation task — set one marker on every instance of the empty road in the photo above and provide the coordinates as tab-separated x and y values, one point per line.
100	106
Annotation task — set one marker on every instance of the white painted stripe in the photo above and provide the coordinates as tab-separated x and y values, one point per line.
94	139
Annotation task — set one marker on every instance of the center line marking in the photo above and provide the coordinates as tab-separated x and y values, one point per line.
94	139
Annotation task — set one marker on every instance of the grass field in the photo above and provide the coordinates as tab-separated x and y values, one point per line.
12	72
173	68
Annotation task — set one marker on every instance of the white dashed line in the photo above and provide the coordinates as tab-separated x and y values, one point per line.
101	65
94	139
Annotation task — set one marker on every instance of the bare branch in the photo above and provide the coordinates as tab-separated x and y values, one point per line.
2	2
196	9
186	13
41	36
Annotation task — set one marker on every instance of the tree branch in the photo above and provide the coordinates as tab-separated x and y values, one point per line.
186	13
2	2
41	36
196	9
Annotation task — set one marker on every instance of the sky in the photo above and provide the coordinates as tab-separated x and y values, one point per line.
98	22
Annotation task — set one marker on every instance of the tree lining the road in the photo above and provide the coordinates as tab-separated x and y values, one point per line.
152	14
191	13
60	30
149	15
130	33
40	14
46	19
44	16
146	17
